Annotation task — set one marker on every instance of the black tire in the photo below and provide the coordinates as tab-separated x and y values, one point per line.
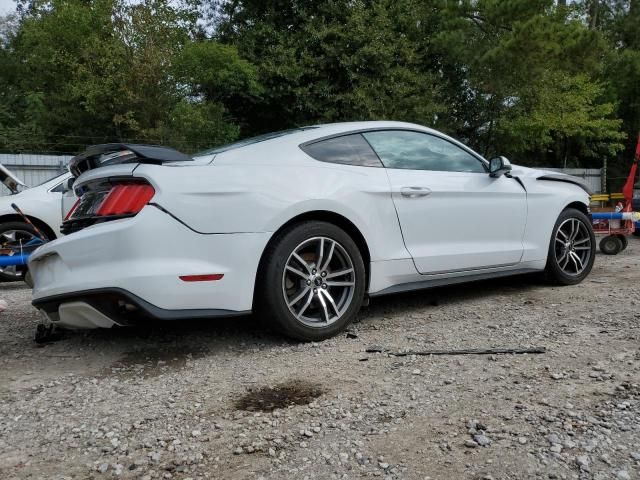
624	240
272	284
611	245
553	270
22	270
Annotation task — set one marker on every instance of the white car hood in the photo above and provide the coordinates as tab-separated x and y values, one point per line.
18	198
539	174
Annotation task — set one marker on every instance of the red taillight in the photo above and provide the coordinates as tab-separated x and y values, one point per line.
126	199
68	215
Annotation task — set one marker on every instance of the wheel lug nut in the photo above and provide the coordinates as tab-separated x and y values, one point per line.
314	271
324	285
308	282
324	274
315	290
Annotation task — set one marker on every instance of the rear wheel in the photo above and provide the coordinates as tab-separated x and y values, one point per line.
312	281
12	235
572	248
611	245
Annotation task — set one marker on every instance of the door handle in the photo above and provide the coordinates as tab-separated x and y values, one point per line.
415	192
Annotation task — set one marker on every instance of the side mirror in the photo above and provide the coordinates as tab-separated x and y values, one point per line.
68	186
498	166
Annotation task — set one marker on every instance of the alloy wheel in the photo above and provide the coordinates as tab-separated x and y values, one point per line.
318	282
14	239
573	247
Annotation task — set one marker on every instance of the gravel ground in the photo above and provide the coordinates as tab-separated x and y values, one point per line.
227	399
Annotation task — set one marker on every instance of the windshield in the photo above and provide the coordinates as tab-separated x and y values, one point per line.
250	141
58	177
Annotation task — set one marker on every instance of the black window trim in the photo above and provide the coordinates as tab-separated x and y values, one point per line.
360	131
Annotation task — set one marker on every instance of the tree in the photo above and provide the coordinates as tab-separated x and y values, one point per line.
546	82
324	61
81	72
512	60
619	23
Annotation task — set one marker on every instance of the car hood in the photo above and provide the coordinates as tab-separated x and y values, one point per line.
10	180
540	174
18	199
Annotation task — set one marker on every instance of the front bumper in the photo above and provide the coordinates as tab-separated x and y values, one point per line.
129	270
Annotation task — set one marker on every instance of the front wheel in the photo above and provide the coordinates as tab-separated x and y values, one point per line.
13	235
572	249
312	281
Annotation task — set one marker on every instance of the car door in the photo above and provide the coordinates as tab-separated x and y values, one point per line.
452	214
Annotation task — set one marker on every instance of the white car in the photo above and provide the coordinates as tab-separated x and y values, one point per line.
301	226
43	205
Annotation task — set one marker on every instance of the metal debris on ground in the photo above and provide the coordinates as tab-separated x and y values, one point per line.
468	351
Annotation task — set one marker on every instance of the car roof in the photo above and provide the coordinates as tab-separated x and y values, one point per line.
323	130
281	147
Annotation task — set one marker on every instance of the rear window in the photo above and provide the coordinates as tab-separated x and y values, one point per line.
347	150
250	141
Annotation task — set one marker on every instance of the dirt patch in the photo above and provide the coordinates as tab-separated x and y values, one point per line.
267	399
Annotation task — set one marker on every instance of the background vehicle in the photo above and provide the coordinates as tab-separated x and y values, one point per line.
43	205
300	225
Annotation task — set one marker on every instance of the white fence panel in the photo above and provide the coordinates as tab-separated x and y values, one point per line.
33	169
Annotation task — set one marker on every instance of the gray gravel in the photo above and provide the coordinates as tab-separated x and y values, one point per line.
228	399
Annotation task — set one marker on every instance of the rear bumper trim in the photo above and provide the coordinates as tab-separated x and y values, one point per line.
115	303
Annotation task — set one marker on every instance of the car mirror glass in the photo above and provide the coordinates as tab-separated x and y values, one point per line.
498	166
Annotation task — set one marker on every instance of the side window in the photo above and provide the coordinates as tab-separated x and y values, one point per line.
58	188
421	151
346	149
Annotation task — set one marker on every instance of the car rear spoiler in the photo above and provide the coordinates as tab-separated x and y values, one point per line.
115	153
9	180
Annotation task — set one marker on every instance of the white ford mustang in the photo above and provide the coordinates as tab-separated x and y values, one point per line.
301	226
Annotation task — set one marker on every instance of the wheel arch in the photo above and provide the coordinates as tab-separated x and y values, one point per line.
578	206
41	225
323	216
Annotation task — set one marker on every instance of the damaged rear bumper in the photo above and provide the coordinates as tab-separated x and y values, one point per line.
132	270
108	307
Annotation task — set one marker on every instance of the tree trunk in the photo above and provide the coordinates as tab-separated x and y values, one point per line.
594	7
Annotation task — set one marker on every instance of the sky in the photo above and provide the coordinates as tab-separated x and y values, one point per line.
7	6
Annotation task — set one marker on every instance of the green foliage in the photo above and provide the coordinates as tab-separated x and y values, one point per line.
529	76
324	61
83	72
562	116
545	83
194	127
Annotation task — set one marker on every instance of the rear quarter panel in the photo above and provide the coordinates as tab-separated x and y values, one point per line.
263	196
